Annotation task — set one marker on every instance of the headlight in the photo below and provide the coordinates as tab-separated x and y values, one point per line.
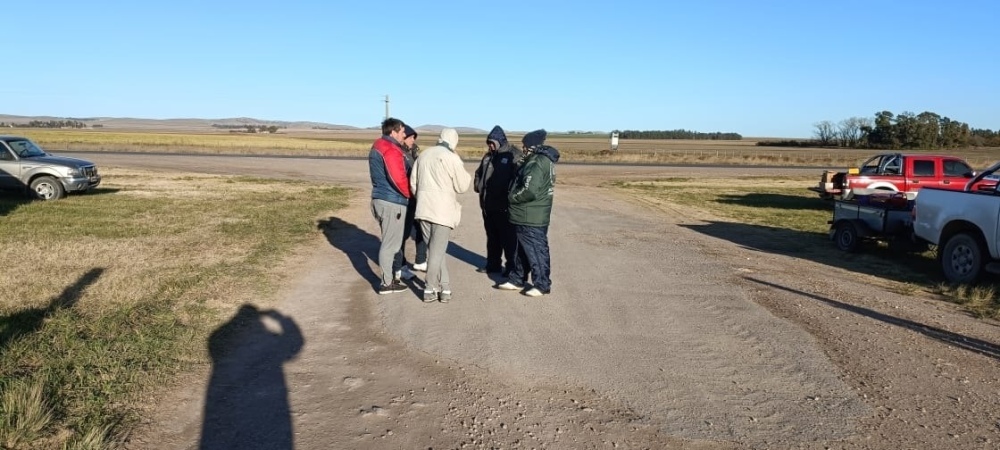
73	173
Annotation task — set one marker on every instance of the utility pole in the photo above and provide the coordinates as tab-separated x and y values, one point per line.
386	106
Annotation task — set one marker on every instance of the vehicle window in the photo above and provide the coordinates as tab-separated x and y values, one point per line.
923	168
5	154
871	165
25	148
954	168
892	166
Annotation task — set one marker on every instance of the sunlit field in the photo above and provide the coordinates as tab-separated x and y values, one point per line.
574	148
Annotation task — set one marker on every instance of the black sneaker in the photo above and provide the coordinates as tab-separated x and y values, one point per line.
396	286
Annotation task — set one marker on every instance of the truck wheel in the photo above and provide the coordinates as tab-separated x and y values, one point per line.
846	236
962	258
47	188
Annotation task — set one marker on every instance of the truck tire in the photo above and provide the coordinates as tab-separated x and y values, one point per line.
47	188
846	236
962	258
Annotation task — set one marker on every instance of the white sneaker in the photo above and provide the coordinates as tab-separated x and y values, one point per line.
534	292
405	274
508	286
422	267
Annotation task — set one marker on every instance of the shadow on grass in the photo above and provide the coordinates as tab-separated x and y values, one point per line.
871	259
779	201
27	321
10	201
246	405
954	339
99	191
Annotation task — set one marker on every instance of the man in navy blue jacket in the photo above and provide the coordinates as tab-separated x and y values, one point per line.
493	177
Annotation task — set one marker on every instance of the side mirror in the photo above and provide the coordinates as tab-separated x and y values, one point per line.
969	174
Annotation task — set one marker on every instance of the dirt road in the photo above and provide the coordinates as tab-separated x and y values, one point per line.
666	328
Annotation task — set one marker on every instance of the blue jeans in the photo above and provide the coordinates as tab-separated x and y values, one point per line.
532	258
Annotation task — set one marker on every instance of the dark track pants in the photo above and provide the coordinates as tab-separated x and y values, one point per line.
411	229
500	241
533	257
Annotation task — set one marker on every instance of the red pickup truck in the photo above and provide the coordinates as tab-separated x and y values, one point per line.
897	172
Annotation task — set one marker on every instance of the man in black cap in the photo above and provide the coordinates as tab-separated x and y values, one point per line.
530	208
492	184
410	150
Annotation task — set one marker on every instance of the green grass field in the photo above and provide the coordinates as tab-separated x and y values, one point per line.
115	291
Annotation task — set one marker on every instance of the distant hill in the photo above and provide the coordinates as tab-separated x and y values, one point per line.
207	124
461	130
181	123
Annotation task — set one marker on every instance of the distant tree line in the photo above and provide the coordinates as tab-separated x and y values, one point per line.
46	124
887	131
248	128
677	134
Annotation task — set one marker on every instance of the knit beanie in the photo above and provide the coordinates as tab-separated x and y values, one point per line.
409	131
534	139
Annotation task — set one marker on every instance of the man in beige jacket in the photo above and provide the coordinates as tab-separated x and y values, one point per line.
438	177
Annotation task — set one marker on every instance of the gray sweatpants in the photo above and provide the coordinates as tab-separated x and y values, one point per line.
390	217
437	237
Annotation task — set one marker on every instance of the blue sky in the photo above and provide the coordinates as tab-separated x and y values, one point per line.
764	68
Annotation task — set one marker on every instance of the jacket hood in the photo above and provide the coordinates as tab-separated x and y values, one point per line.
449	138
547	151
498	136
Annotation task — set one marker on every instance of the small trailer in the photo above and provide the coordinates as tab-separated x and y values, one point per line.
876	217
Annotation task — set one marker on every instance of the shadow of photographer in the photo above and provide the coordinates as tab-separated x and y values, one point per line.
246	404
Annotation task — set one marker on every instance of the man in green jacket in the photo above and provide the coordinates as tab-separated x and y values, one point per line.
530	200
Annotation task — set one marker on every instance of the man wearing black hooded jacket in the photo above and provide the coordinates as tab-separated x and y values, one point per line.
492	184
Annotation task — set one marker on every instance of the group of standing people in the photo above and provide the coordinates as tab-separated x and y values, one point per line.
415	192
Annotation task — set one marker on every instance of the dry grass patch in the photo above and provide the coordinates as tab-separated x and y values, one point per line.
24	414
980	300
115	291
574	148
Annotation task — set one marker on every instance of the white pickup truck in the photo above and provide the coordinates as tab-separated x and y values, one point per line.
965	226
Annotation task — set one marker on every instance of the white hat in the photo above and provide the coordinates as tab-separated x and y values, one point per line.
449	137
